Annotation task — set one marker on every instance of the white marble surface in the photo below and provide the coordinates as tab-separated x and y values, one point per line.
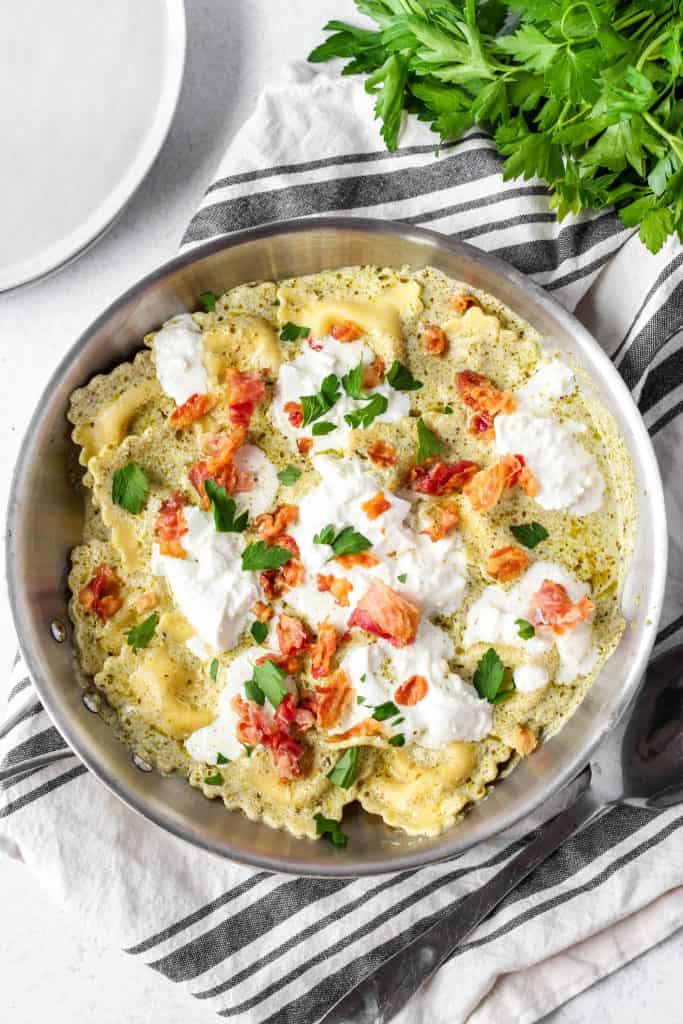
234	50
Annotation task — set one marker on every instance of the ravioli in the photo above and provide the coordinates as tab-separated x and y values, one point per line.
327	577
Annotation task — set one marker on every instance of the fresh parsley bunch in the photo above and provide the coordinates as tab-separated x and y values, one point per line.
586	94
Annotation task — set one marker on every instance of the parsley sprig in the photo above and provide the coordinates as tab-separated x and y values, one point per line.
315	406
584	94
489	678
129	487
344	542
224	509
139	636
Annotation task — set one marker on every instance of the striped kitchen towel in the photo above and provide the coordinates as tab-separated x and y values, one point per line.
257	947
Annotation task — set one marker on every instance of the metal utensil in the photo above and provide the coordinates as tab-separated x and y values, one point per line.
640	763
38	545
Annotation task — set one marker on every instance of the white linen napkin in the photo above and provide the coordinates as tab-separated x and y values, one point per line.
258	947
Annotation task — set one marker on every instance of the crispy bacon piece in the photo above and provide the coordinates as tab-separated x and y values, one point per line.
373	373
246	390
346	331
263	612
368	727
299	713
276	581
338	586
507	563
286	750
382	454
551	606
461	303
317	346
220	451
295	413
334	698
171	525
360	559
442	477
292	635
101	594
412	691
524	740
520	474
304	445
376	505
287	753
252	726
486	487
271	525
193	409
386	614
146	601
323	650
434	341
446	517
481	426
478	392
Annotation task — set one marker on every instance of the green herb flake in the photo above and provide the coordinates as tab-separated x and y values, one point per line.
316	406
214	780
347	542
344	772
139	636
292	332
254	692
289	475
384	711
330	829
208	301
428	444
259	631
213	669
323	427
352	382
398	740
249	750
529	534
260	557
224	509
489	675
401	379
269	677
222	759
448	410
129	488
368	413
402	578
525	630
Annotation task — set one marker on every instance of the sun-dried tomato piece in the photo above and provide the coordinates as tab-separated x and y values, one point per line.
346	331
323	650
295	413
359	560
486	488
373	373
271	525
246	390
381	453
441	478
412	691
304	445
193	409
338	586
101	594
292	635
333	698
446	518
261	611
434	341
507	563
461	303
171	525
375	506
551	606
386	614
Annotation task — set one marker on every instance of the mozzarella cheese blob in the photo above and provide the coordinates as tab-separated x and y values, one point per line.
178	349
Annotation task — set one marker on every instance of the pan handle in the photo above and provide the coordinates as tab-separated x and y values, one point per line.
28	764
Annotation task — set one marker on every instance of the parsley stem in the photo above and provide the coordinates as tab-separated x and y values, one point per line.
674	141
651	47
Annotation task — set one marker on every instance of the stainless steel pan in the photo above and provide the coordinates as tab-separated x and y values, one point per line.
45	520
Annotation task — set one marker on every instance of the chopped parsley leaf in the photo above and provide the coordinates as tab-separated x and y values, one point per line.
214	780
224	509
525	629
213	669
254	692
249	750
401	379
402	578
129	488
398	740
139	636
352	382
289	475
369	412
347	542
344	772
530	534
386	710
292	332
315	406
324	427
208	301
428	444
489	675
259	631
448	410
331	829
269	679
261	556
222	759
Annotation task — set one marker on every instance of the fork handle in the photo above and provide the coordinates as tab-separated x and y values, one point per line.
380	996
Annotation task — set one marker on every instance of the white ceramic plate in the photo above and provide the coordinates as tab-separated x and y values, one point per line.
87	94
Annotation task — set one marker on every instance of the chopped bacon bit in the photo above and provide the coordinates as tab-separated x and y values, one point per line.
271	525
386	614
485	489
481	426
276	581
220	450
334	698
261	611
361	559
304	445
368	727
287	753
323	650
171	525
376	505
507	563
246	390
442	477
301	713
551	606
515	464
295	413
446	518
317	346
339	587
101	594
434	341
480	394
193	409
461	303
347	331
524	740
146	601
292	635
291	664
252	727
528	482
373	373
412	691
285	749
382	454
